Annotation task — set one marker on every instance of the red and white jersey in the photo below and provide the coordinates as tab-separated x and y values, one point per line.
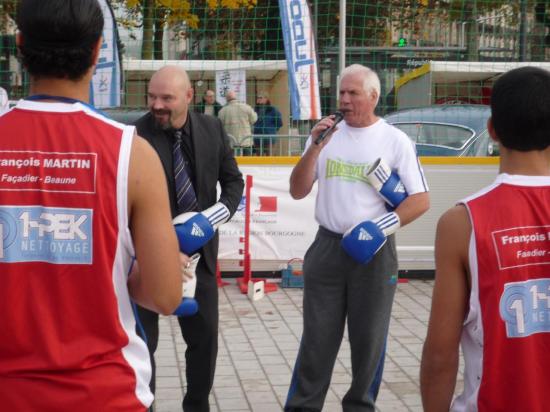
506	339
68	330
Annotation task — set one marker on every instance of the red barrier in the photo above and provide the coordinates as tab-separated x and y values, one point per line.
242	282
219	280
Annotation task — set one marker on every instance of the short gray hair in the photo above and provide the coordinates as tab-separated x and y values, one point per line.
371	82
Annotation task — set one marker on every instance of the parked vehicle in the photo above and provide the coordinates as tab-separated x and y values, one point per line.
447	130
124	116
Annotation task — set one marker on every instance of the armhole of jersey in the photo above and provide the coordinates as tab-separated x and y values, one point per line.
122	188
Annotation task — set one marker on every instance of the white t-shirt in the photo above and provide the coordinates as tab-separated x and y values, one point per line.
344	197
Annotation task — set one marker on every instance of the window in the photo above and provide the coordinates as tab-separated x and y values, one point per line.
436	134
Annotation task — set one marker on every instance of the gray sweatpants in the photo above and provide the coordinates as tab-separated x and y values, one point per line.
335	288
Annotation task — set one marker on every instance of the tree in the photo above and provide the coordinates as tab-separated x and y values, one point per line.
468	11
7	12
232	33
155	15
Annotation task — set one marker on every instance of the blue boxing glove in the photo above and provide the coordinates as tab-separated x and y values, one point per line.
362	241
194	229
387	183
187	307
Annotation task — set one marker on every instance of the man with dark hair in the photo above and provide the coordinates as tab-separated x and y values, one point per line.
200	145
74	209
267	126
492	252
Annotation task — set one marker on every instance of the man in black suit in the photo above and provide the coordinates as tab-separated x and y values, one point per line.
210	160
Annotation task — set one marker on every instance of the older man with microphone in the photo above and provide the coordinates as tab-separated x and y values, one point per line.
370	183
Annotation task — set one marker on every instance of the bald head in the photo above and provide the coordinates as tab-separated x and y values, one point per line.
168	96
174	74
230	95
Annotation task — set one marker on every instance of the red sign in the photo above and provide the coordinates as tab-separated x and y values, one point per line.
48	172
522	246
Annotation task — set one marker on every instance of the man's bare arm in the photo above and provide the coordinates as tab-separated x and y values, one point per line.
303	174
413	207
440	355
157	285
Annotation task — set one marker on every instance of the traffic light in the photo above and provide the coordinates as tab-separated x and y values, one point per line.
402	42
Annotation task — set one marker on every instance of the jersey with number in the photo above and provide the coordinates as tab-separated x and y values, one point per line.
506	339
68	331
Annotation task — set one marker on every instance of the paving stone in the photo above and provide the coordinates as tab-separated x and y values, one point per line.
258	344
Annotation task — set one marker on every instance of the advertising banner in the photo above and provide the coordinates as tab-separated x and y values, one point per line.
303	79
230	80
281	228
105	89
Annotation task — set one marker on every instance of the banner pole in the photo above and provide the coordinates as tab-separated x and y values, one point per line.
342	38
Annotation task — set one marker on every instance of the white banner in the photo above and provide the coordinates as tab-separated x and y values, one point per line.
303	79
281	228
230	80
105	87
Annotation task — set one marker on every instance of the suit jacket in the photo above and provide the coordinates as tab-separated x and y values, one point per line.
214	162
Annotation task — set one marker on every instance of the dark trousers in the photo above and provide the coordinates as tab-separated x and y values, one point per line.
200	333
338	290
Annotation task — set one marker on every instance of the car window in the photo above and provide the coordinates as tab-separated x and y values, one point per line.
436	134
411	129
483	146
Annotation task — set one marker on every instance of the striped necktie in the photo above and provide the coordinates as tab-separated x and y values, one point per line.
185	194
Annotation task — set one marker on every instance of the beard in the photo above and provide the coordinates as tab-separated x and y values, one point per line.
162	124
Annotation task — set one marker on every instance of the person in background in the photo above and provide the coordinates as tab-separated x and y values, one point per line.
209	105
350	270
237	119
75	211
4	100
491	292
175	132
269	122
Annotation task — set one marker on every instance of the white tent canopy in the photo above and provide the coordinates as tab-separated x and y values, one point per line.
206	69
444	81
452	72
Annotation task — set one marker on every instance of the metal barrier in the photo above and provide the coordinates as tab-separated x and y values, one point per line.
271	145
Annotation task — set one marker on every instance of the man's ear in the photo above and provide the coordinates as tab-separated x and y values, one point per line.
190	93
18	39
491	130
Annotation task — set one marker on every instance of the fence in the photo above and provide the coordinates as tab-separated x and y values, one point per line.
243	40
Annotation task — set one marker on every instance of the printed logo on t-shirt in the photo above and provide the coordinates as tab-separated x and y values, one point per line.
525	307
48	171
346	171
46	234
522	246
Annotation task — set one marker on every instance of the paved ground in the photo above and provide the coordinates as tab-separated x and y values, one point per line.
258	345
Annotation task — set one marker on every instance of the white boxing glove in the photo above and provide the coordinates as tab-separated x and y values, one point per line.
190	285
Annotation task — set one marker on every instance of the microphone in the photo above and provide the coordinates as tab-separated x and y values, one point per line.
338	117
